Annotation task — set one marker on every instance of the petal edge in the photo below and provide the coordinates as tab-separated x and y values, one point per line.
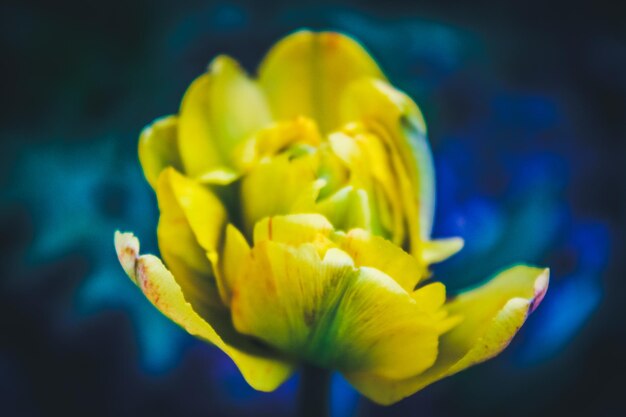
262	372
506	301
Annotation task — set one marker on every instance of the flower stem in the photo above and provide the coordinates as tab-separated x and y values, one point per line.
314	392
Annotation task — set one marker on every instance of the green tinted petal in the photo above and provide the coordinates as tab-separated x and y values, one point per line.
326	311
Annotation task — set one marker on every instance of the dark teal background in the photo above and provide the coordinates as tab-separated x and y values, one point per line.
526	108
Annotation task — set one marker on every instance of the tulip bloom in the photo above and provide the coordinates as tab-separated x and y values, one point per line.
295	219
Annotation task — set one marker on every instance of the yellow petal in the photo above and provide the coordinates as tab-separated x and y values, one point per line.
279	185
330	313
372	169
376	252
430	297
190	231
434	251
332	170
236	250
305	73
394	118
293	229
261	369
219	176
220	109
348	208
276	138
158	148
197	142
492	314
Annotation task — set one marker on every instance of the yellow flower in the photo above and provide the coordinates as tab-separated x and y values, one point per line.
296	212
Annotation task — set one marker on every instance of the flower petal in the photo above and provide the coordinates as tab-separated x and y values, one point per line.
158	148
376	252
234	254
190	230
220	109
372	168
293	229
280	185
259	367
395	118
348	208
430	297
492	314
328	312
276	138
127	249
433	251
219	176
304	74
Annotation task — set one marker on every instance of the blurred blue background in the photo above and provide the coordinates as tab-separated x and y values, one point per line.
526	107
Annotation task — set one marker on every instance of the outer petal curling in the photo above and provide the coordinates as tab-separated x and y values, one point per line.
261	369
305	73
492	314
